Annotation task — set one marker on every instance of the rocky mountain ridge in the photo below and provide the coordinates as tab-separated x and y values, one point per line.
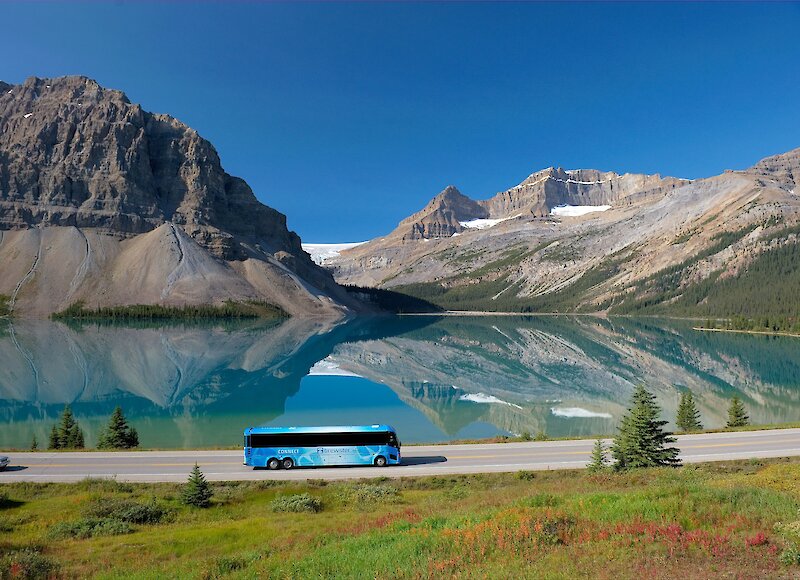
536	196
106	203
658	244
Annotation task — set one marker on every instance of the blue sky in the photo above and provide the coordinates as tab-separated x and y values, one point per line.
349	117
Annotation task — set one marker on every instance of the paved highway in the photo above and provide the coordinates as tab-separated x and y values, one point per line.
417	460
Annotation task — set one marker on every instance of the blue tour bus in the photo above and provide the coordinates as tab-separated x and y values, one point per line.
286	447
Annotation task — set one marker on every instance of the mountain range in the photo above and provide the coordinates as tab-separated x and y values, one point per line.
104	204
592	241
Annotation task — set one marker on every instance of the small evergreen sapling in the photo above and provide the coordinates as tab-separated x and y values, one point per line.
34	444
688	416
642	441
118	434
737	415
197	492
599	460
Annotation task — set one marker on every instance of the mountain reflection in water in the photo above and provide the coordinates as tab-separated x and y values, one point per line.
434	378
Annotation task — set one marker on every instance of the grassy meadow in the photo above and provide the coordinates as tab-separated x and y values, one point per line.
737	520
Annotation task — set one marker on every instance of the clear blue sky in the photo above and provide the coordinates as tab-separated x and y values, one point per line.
348	117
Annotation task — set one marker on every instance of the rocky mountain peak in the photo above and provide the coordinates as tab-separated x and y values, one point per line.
442	217
783	168
74	154
535	196
449	194
543	190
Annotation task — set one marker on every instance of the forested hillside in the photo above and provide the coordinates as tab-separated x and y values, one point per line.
764	292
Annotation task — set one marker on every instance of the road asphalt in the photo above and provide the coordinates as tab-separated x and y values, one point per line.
417	460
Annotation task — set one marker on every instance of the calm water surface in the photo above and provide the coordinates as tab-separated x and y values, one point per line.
433	378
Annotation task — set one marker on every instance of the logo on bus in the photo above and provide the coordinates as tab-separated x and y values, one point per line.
287	451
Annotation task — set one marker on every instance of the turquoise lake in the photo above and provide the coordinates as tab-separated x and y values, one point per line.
434	378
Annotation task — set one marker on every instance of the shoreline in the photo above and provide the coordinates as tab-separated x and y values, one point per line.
456	313
761	332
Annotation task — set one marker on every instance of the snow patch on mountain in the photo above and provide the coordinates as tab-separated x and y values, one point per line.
577	210
482	224
320	253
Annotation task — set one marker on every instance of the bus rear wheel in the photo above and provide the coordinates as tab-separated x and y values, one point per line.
273	463
380	461
288	463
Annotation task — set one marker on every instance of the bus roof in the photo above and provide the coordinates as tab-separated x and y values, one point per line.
323	429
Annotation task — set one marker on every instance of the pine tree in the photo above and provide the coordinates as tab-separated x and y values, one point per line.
642	441
688	416
118	434
75	440
737	415
197	492
599	460
67	434
34	444
54	442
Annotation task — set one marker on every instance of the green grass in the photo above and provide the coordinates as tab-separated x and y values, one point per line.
717	520
230	309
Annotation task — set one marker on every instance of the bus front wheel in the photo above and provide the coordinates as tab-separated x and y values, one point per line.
273	463
288	463
380	461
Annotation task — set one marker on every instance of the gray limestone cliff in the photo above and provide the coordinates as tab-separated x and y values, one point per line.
81	161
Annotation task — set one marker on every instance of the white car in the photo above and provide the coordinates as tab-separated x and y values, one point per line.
3	462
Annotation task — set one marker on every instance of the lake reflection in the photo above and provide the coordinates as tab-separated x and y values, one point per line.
433	378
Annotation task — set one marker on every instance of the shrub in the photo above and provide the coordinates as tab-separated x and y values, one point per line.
790	556
89	528
790	530
224	566
552	532
526	475
28	564
296	503
458	491
541	500
366	494
103	484
128	511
